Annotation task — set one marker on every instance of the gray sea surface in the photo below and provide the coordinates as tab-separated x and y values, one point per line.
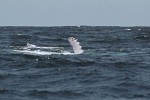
38	63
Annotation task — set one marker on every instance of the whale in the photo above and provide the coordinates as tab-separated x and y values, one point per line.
31	49
75	45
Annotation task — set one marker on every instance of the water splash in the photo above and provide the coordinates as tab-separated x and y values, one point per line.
31	49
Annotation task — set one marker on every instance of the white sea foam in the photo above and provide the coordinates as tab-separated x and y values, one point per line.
127	29
39	52
31	46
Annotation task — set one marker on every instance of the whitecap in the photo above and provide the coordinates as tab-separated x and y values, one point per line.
127	29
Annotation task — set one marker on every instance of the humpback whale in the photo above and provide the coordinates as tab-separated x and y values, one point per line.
75	45
31	49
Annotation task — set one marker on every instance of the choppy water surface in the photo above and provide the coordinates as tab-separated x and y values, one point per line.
37	63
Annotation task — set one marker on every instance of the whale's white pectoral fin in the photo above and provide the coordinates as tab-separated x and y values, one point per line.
75	45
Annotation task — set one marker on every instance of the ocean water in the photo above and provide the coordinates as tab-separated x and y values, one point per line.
38	63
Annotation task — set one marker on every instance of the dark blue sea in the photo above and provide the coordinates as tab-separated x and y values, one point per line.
38	63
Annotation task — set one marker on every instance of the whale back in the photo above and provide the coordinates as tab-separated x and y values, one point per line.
75	45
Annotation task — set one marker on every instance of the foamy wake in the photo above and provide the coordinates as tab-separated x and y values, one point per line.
31	49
